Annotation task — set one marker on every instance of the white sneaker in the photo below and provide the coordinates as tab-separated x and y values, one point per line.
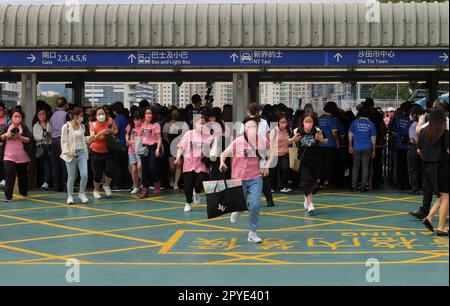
84	199
311	209
175	187
305	204
286	190
69	200
235	217
254	238
196	198
97	195
135	190
188	207
2	184
107	190
45	186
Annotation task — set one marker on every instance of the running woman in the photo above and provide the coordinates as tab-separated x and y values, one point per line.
195	171
246	152
308	136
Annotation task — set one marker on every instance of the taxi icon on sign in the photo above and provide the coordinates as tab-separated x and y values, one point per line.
246	57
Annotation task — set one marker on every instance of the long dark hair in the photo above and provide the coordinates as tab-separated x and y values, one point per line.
437	126
36	118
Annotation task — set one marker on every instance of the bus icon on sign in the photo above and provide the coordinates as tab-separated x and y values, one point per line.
246	57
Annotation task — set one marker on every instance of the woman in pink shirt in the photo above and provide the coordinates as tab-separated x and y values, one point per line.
279	136
194	147
151	137
246	152
16	152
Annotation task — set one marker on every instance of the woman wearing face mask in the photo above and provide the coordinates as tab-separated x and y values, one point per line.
133	130
171	131
246	152
280	137
102	159
42	136
151	137
75	153
192	147
308	136
16	153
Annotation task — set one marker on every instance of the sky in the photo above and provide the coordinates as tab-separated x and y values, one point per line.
174	1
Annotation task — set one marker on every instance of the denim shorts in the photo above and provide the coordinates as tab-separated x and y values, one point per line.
133	159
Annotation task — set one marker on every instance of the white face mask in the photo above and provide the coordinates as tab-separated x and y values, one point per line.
101	118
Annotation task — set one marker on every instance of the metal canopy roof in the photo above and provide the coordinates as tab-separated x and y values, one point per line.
401	25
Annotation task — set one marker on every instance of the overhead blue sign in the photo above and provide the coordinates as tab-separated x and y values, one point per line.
220	58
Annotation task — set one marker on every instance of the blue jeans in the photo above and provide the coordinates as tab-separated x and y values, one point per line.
253	193
81	163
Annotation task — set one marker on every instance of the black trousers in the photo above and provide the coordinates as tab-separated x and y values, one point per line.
267	190
12	170
377	176
414	167
193	180
59	171
103	163
280	170
402	168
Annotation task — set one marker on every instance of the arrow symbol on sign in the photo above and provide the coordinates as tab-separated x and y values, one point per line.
31	58
131	58
234	57
338	57
444	57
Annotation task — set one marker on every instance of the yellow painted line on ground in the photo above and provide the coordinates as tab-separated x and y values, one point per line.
171	242
100	252
31	252
139	216
426	258
87	234
337	221
362	263
310	253
84	230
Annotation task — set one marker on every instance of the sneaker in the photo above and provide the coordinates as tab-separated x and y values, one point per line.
305	204
196	198
188	207
311	209
84	199
6	200
2	184
234	217
285	190
69	200
45	186
175	187
254	238
144	194
135	190
107	190
97	195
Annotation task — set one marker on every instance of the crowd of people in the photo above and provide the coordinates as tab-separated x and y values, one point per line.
150	148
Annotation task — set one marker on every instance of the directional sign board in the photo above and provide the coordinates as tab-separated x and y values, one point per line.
223	58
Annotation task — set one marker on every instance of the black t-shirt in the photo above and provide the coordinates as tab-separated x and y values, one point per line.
308	146
433	153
